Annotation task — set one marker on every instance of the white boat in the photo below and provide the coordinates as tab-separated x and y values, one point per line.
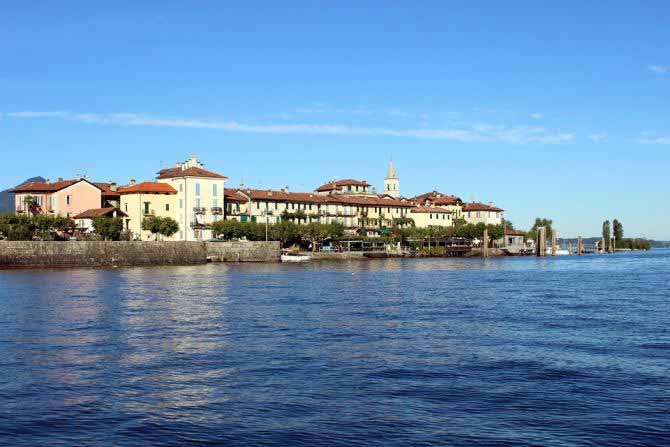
559	251
294	257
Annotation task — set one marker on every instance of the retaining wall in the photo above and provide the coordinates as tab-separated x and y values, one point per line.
244	251
100	254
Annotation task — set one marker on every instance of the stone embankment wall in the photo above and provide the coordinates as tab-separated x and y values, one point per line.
244	251
107	254
100	254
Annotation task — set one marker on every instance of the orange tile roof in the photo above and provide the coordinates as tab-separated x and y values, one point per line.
47	187
337	183
147	188
231	195
476	206
430	209
107	190
437	198
307	197
188	172
99	212
512	232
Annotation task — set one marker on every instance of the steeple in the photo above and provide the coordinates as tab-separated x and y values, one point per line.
391	182
391	173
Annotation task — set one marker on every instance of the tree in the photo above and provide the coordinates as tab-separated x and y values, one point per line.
606	235
167	226
541	222
17	227
617	228
109	228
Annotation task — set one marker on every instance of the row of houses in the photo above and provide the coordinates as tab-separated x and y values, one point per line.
196	198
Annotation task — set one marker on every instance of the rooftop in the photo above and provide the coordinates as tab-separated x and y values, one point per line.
99	212
147	188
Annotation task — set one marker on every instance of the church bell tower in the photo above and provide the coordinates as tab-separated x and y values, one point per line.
391	182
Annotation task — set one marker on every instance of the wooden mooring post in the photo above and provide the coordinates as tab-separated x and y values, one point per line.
485	244
554	243
579	245
541	243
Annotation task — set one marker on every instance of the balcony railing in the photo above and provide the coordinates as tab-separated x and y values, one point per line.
217	211
199	210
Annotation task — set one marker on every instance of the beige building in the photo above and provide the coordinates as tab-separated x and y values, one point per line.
141	200
475	213
362	212
199	201
431	216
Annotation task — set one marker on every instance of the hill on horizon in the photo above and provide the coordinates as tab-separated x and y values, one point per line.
7	198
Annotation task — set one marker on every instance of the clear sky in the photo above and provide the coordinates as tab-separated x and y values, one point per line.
556	111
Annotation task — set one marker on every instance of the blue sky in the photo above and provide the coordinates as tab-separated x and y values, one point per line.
558	111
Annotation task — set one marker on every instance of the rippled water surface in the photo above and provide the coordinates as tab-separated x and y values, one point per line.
516	351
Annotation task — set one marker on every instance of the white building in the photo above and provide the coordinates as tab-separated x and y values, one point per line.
475	213
200	198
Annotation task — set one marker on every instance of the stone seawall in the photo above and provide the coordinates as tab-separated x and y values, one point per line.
100	254
15	254
244	251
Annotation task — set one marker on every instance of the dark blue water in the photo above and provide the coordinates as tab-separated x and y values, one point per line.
569	351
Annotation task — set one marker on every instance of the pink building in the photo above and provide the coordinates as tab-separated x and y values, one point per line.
66	198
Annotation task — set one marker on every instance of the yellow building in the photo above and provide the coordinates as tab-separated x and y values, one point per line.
446	201
141	200
431	216
199	200
362	212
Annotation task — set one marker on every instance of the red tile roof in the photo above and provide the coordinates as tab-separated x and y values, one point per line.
512	232
430	209
48	187
188	172
231	195
437	198
107	190
148	188
476	206
341	183
307	197
99	212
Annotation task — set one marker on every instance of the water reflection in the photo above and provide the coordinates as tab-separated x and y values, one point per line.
440	351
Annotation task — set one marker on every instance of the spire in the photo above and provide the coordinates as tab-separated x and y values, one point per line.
391	170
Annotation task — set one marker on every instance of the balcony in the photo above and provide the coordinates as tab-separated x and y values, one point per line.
200	226
217	211
199	210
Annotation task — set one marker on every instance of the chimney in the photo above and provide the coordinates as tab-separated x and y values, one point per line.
284	189
60	179
132	181
112	186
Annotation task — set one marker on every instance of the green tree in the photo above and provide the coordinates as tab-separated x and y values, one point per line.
606	235
617	229
109	228
152	225
17	227
541	222
167	226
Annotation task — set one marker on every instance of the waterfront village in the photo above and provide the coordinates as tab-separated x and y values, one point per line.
197	198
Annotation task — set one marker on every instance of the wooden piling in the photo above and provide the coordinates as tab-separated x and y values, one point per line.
485	244
541	243
554	243
579	245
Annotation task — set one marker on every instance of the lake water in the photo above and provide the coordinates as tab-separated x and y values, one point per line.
566	351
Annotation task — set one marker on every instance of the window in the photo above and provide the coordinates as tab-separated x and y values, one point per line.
68	200
181	203
431	216
197	189
215	189
146	207
349	188
167	207
126	208
52	200
237	206
276	205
